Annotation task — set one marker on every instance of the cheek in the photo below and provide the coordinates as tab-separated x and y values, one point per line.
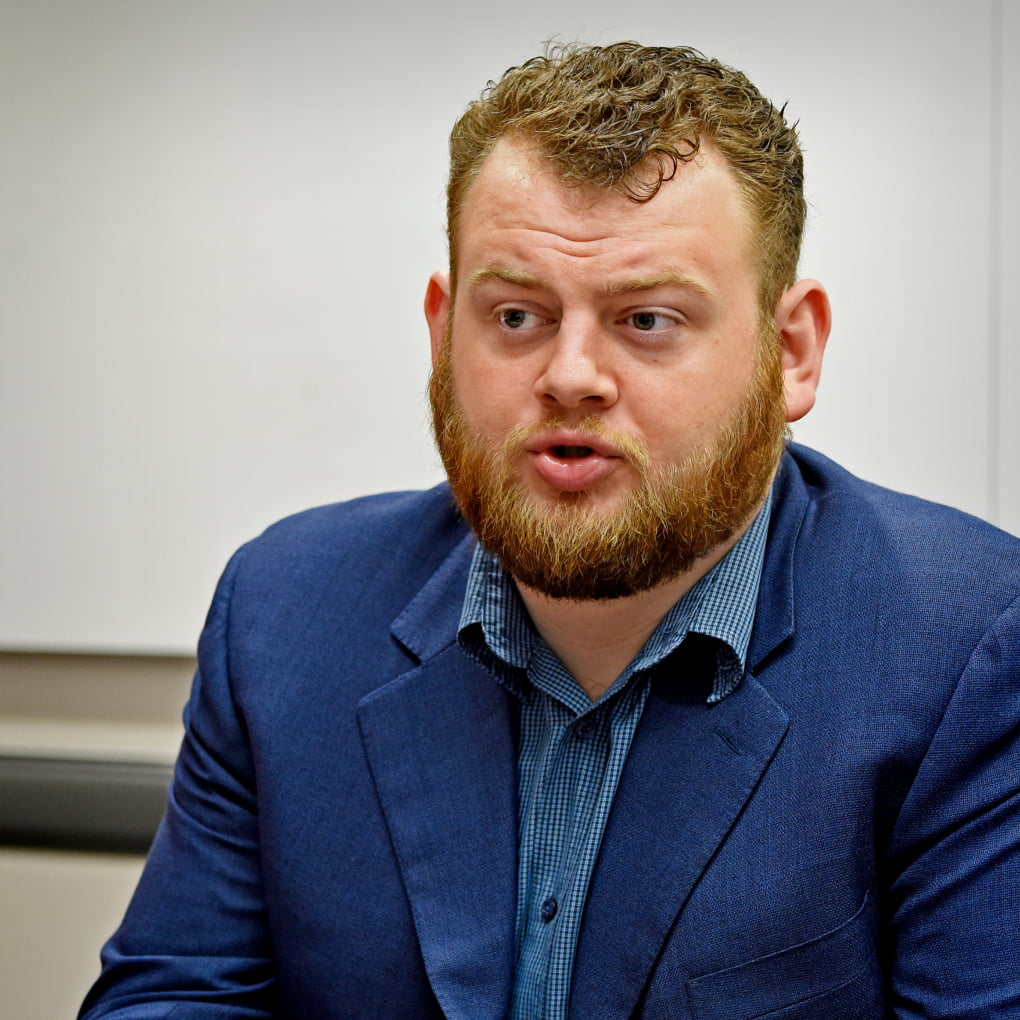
722	376
677	414
489	394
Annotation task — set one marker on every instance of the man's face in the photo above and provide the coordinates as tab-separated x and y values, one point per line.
604	405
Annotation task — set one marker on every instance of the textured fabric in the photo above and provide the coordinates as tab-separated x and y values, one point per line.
839	837
572	751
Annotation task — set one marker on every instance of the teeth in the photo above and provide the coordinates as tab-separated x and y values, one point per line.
572	451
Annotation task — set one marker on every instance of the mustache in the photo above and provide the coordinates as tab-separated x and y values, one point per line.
632	450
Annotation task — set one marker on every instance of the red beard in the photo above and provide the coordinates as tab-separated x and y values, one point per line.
566	545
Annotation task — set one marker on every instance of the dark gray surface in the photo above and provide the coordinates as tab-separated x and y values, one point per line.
81	804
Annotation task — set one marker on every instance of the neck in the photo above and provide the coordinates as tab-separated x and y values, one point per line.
596	639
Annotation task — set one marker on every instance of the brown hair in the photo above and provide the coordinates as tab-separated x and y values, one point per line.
625	116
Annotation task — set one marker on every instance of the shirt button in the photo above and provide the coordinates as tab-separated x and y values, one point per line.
583	728
549	909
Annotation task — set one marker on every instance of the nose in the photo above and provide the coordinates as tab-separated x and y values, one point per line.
577	373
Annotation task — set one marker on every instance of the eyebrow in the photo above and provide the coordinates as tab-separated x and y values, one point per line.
519	278
643	283
507	275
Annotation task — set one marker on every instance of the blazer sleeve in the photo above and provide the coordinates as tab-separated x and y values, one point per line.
954	902
194	942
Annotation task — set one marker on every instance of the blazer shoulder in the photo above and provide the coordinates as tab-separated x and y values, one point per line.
891	561
391	542
397	524
927	531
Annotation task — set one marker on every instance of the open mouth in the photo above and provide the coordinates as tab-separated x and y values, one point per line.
571	452
570	466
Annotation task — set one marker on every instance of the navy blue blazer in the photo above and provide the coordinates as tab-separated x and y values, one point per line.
839	838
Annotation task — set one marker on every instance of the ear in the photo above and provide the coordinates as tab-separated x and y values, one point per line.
803	320
437	309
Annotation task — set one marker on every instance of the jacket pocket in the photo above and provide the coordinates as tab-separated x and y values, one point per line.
834	976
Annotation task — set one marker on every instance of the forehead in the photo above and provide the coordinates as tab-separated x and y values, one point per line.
518	202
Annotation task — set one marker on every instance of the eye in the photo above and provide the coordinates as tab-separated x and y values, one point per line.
518	319
651	322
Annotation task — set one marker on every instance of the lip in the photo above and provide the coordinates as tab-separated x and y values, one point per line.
546	452
567	437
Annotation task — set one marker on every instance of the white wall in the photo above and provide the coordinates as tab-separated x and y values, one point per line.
1006	202
218	218
58	911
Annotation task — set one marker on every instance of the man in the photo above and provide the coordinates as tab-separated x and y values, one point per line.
685	725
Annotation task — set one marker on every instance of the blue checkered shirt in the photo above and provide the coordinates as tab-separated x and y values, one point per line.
571	750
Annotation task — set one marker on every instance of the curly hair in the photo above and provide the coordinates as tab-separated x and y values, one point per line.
626	116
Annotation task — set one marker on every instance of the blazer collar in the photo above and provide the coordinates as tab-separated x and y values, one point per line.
774	620
429	622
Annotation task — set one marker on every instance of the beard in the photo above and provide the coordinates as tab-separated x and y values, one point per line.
566	545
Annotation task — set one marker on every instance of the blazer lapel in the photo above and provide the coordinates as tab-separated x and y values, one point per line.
690	771
439	742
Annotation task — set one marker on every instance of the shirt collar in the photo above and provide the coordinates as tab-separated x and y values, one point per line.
495	625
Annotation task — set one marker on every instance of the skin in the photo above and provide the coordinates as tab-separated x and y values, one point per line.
574	303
